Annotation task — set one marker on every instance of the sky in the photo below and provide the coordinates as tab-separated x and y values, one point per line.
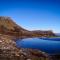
33	14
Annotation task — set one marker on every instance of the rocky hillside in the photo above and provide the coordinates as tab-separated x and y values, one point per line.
9	27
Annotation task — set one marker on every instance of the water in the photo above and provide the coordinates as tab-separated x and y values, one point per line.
52	39
48	46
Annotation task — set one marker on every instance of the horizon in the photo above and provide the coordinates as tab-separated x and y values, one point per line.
33	14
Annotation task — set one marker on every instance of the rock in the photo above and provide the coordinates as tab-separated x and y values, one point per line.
8	50
28	59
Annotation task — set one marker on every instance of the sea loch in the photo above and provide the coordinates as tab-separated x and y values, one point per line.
50	46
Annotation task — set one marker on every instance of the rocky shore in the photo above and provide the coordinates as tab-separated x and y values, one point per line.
9	51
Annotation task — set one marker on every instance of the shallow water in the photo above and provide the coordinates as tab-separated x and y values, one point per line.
48	46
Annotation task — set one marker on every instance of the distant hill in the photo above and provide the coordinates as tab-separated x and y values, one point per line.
57	34
9	27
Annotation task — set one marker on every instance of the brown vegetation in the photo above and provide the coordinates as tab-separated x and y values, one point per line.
9	27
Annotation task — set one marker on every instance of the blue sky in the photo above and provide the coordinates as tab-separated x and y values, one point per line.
33	14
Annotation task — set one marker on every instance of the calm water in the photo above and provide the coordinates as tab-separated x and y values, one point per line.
48	46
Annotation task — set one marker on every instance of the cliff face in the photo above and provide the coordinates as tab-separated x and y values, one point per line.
9	27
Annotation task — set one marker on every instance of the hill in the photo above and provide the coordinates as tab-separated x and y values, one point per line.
9	27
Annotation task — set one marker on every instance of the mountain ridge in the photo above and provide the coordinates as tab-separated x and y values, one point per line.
9	27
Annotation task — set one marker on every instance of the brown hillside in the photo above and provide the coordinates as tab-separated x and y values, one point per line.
9	27
8	23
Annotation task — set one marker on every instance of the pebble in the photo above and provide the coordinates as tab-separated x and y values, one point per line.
28	59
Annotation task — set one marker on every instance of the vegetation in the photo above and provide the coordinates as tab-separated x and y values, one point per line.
9	27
